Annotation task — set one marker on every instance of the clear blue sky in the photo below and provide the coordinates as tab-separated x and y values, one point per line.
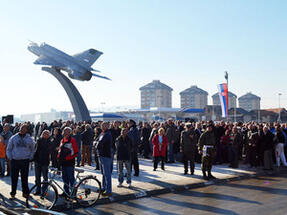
181	43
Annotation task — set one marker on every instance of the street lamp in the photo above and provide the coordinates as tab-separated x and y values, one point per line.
103	103
279	117
159	100
226	78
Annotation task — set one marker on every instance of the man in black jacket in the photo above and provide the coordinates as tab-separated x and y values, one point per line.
170	133
123	150
235	142
116	132
134	135
253	141
104	145
42	159
268	144
188	144
55	143
145	134
87	141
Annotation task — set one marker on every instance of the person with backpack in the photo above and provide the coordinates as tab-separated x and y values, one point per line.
68	151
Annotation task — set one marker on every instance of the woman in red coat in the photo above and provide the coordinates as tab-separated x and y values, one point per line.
160	143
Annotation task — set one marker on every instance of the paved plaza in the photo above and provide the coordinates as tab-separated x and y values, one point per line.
149	183
262	195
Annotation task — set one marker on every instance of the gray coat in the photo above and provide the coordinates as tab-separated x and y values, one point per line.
134	136
188	143
20	148
170	133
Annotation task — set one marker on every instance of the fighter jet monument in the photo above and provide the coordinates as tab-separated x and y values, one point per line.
77	66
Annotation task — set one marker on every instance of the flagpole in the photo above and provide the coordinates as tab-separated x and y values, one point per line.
226	77
235	110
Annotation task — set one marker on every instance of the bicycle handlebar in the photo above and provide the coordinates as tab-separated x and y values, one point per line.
56	170
53	169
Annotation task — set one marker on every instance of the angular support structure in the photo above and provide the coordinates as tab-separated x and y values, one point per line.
80	109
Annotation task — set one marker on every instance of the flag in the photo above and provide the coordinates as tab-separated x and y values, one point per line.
223	95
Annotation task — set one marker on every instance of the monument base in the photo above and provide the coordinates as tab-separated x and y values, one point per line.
80	109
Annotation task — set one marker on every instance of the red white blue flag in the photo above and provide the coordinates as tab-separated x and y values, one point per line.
223	95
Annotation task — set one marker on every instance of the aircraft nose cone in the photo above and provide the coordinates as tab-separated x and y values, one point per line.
34	49
30	48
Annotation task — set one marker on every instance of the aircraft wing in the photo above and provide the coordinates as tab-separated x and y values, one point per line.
88	57
43	60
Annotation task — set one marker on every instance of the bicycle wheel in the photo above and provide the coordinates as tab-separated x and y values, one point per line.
45	200
88	191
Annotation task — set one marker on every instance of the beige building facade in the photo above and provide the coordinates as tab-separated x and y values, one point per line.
193	97
249	102
156	94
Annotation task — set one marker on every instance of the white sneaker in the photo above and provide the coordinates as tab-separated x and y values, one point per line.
120	185
129	185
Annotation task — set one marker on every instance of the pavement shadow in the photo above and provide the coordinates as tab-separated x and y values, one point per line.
221	168
182	174
98	211
8	182
267	179
17	203
114	211
272	190
163	184
146	173
150	163
148	209
200	207
191	193
19	186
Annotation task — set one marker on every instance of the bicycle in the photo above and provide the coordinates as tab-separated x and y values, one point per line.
86	192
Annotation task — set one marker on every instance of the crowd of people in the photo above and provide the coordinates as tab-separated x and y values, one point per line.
65	145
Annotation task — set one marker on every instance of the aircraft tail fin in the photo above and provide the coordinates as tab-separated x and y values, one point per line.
88	56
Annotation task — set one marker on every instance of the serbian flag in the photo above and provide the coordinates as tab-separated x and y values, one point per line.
223	95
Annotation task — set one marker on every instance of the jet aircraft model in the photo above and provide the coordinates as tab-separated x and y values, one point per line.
78	66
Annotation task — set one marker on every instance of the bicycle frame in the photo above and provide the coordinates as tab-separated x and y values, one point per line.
72	188
73	195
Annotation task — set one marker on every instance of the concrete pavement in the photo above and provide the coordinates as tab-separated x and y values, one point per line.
149	182
262	195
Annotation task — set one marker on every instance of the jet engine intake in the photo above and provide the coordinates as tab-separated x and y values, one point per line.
82	76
